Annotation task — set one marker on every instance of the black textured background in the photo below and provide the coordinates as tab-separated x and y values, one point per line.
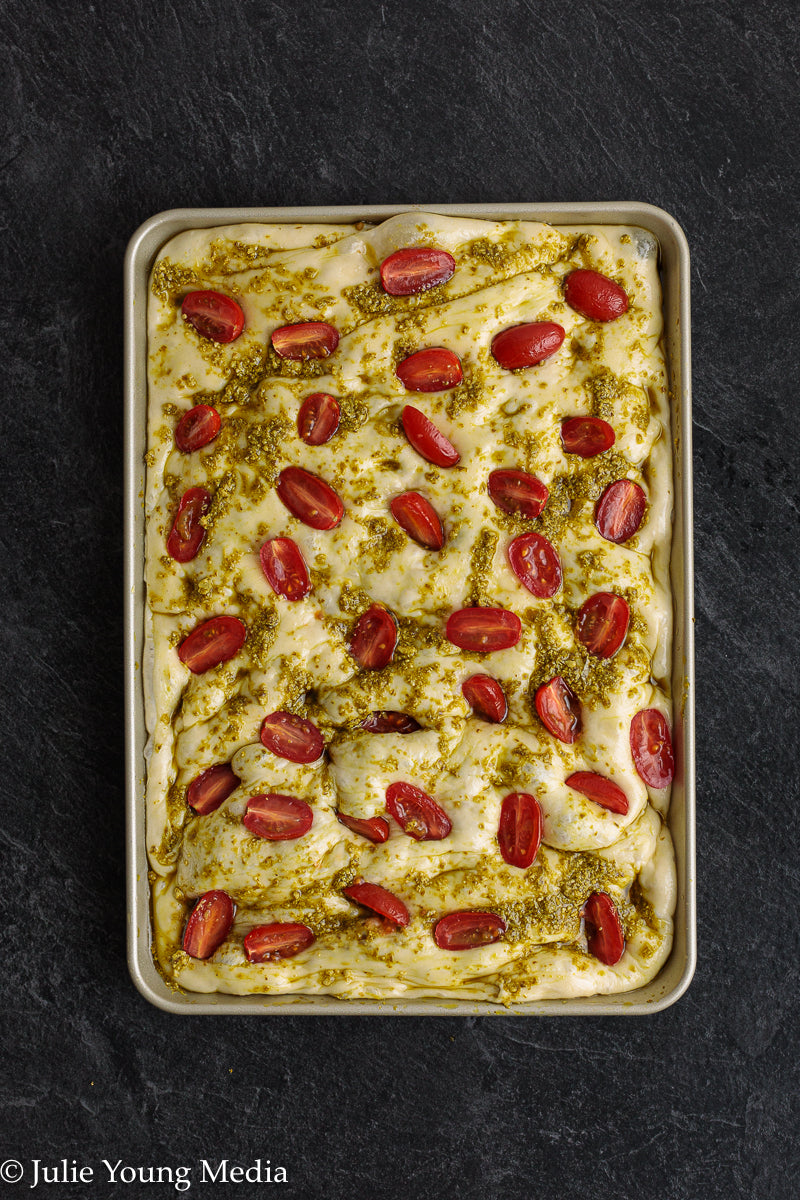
112	112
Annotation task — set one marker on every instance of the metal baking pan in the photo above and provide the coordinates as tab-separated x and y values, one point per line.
675	976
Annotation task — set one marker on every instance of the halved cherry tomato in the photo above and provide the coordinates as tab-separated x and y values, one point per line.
212	643
387	721
433	370
374	829
619	511
466	930
417	813
282	939
595	296
209	924
427	440
602	624
307	339
211	788
485	697
318	418
586	436
285	568
415	269
604	935
526	345
309	498
292	737
517	492
535	562
558	709
651	747
419	519
373	896
600	790
188	534
213	315
374	639
483	630
197	427
519	833
277	818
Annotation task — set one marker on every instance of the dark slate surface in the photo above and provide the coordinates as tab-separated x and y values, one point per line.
112	112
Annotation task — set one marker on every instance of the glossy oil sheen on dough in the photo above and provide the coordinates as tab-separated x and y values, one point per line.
282	274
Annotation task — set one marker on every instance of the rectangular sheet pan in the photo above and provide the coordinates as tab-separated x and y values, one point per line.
676	975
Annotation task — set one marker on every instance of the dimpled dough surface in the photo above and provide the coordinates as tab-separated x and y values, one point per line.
296	655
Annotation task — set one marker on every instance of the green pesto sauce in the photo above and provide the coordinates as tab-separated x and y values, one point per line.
372	301
610	397
170	279
480	568
642	906
354	412
220	501
593	680
203	591
289	368
226	257
384	541
497	254
468	395
353	600
528	443
417	633
261	633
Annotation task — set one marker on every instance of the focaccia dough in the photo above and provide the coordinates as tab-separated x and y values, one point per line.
296	654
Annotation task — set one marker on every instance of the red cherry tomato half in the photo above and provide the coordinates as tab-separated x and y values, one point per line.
285	568
586	436
536	564
188	534
292	737
277	818
419	519
485	697
283	939
307	339
374	639
619	511
558	709
483	630
604	935
213	315
600	790
433	370
211	788
309	498
209	924
651	747
416	269
602	624
517	492
427	440
519	833
526	345
417	813
466	930
197	427
374	829
212	643
387	721
595	296
318	418
373	896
